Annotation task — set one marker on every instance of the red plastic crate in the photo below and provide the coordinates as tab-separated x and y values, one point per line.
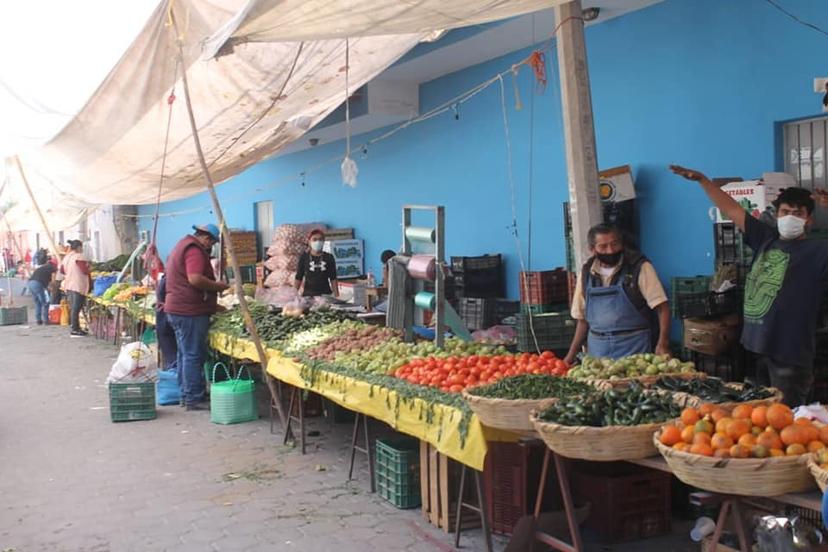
628	502
544	288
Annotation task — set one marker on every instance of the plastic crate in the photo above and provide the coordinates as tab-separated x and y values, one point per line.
502	309
397	471
729	367
472	264
553	331
489	283
475	312
132	401
545	287
730	245
690	290
628	502
708	303
541	309
13	315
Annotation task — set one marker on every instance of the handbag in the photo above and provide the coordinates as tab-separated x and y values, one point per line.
232	401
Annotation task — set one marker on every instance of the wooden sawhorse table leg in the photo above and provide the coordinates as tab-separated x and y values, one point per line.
562	470
365	449
480	508
731	504
296	404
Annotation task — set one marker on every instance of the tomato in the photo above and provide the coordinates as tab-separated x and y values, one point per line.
456	388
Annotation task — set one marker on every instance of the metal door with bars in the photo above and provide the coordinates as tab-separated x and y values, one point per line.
804	143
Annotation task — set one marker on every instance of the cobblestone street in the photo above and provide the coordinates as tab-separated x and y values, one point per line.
73	481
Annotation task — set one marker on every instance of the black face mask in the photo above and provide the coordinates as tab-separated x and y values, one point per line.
609	259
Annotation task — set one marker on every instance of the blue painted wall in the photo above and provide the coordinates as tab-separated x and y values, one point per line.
694	82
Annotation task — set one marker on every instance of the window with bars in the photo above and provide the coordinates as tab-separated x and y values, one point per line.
804	143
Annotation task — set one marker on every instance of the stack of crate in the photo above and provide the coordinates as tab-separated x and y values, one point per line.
244	244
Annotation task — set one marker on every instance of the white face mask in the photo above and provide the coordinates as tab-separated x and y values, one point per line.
790	227
316	245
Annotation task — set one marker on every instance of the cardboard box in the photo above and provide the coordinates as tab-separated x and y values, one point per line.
756	195
616	184
349	257
711	336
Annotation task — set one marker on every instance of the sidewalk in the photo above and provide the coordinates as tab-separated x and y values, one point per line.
72	481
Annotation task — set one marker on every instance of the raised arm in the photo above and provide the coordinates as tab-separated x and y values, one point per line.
726	204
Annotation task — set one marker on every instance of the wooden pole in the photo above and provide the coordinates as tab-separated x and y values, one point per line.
55	250
579	131
228	240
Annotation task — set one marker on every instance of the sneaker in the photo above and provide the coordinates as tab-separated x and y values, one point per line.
78	334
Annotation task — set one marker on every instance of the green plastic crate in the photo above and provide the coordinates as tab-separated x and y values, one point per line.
397	471
553	330
132	401
13	315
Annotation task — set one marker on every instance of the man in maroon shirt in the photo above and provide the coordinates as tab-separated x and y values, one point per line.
192	291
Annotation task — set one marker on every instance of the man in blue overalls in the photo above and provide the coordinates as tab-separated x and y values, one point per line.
619	302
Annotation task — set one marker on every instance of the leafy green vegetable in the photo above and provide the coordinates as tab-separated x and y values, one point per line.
532	386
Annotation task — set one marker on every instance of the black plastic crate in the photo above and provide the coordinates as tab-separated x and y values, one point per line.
708	303
730	245
475	312
472	264
502	309
553	331
489	283
729	367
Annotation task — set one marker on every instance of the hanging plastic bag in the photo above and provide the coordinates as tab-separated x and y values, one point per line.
349	172
135	363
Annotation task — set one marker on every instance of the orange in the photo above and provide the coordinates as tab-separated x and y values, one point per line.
737	428
721	453
815	446
721	441
748	440
779	416
721	425
795	450
670	435
803	421
777	452
823	434
759	452
703	438
759	416
718	414
681	445
687	434
689	416
707	408
794	434
702	448
743	411
812	432
739	451
769	439
703	426
756	430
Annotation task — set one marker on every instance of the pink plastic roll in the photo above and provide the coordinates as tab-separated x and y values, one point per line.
422	267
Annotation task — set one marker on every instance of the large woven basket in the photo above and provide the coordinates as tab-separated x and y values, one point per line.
820	475
508	414
603	444
739	476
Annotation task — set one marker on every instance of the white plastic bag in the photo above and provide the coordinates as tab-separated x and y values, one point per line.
135	363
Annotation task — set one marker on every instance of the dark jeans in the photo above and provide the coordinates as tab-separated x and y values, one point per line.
795	382
41	302
76	303
166	341
191	339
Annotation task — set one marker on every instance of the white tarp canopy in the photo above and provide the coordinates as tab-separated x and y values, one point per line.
280	71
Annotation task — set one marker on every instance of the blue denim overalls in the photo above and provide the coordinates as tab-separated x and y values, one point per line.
616	327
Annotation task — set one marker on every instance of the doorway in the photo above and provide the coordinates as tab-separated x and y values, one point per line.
263	216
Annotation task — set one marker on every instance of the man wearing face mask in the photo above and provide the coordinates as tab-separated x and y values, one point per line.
783	289
316	274
619	302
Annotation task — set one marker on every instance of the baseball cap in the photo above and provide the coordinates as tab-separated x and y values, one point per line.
211	229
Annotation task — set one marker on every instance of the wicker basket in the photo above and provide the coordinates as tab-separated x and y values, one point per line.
508	414
739	476
602	444
820	475
775	398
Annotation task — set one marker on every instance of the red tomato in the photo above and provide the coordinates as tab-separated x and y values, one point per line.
456	388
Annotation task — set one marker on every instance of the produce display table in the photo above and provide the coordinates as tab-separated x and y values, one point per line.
444	433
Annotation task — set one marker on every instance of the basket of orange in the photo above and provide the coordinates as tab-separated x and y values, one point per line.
818	464
753	451
609	425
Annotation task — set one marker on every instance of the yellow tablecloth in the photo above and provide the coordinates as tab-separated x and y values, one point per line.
443	432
